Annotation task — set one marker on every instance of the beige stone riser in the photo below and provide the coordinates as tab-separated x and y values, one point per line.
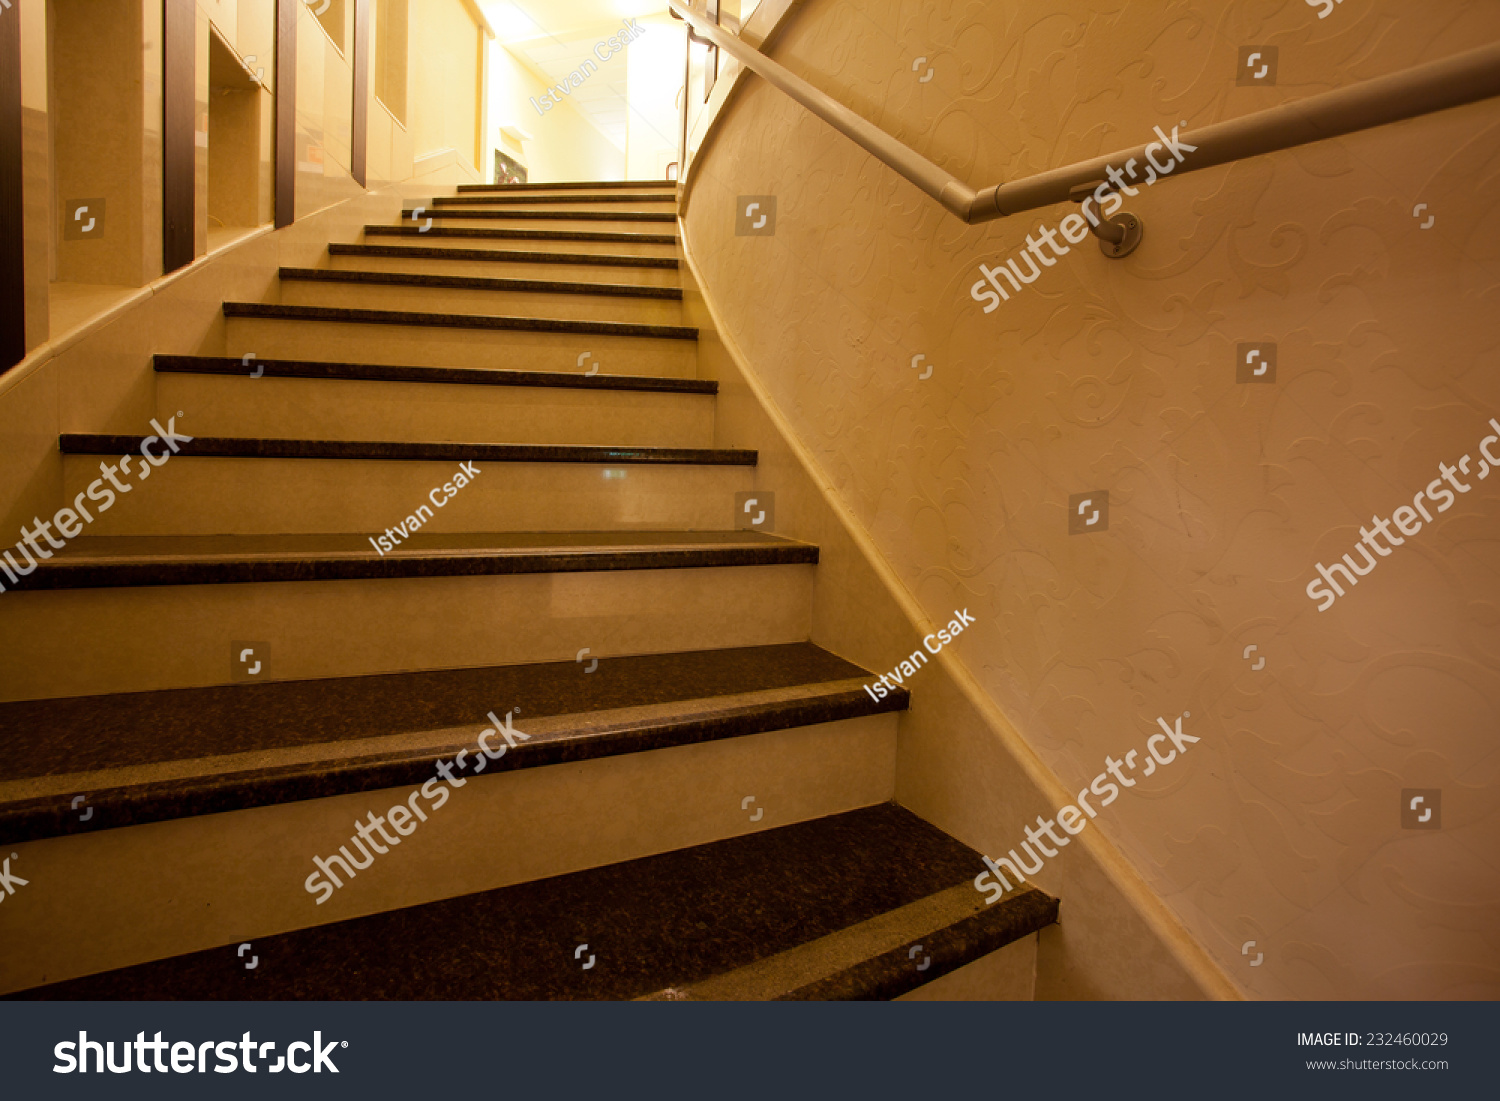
553	203
504	303
666	188
507	269
516	220
612	248
192	495
91	641
438	346
362	409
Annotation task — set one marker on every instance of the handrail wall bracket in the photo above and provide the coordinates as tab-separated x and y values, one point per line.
1119	234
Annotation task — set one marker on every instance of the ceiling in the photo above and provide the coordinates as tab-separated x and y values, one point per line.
554	36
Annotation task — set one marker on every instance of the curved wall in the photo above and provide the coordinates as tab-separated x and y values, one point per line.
1282	825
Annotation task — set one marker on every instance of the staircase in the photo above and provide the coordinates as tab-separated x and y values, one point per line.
464	470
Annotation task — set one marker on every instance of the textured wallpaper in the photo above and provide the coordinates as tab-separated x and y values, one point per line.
1296	346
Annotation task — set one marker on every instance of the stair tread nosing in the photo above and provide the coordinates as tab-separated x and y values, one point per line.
566	185
250	447
473	376
175	753
477	283
877	958
272	311
121	561
497	233
552	215
602	259
480	198
673	920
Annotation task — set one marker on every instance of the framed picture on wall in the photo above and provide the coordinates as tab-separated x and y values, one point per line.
508	170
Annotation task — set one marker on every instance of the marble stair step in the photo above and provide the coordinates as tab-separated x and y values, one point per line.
425	319
594	240
468	376
424	337
397	450
621	203
563	299
643	271
112	562
531	213
130	614
470	198
569	186
541	217
479	283
157	756
676	921
495	255
266	487
188	884
595	208
361	401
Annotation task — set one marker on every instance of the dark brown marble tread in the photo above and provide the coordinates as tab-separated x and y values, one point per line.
471	376
272	311
665	921
505	256
477	283
625	705
586	185
469	197
121	561
249	447
619	237
120	802
553	215
82	733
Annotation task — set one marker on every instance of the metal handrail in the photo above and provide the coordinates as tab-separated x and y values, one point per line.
1434	86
